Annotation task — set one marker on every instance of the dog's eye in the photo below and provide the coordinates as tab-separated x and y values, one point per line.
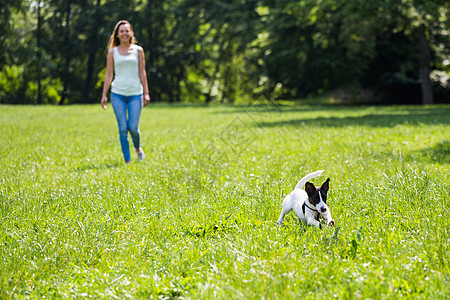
317	199
323	196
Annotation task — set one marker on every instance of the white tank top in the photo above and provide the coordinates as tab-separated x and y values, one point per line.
126	68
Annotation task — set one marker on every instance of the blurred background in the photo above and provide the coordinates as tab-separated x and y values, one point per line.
204	51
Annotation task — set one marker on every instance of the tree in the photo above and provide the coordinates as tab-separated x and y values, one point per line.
334	44
214	44
94	26
39	61
7	9
210	50
422	18
67	48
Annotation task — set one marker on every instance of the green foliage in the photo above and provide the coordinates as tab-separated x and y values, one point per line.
51	91
351	45
225	51
197	218
7	10
10	83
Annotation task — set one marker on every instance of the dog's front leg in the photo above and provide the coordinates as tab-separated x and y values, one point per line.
327	217
310	220
313	222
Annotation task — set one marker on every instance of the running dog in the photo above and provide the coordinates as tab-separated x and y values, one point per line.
308	204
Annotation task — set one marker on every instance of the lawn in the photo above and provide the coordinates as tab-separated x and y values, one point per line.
197	218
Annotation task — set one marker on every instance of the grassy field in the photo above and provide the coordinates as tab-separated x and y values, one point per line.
197	218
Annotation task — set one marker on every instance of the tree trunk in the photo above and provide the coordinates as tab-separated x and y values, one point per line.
92	55
90	71
212	82
39	71
424	68
155	95
68	55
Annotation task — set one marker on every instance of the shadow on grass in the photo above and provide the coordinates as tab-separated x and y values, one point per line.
414	116
439	153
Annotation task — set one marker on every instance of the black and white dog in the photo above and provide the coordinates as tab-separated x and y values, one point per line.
308	204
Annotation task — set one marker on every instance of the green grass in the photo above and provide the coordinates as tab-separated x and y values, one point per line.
197	218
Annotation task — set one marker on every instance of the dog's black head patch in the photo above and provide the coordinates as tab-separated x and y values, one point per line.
313	192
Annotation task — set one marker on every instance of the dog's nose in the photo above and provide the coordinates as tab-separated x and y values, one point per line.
323	209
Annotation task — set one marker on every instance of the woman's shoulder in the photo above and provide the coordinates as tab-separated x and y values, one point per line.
137	47
110	52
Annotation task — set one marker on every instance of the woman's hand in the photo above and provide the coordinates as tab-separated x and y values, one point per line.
104	101
146	99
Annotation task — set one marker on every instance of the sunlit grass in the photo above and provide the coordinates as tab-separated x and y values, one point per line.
196	219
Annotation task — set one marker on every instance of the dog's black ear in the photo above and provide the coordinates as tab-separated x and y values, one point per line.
310	188
326	185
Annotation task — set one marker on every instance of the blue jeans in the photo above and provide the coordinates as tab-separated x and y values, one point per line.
134	105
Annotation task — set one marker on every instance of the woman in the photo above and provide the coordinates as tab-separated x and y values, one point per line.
129	90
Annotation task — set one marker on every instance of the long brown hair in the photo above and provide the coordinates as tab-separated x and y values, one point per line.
114	40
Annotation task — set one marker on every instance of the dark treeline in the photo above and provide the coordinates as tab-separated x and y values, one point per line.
393	51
